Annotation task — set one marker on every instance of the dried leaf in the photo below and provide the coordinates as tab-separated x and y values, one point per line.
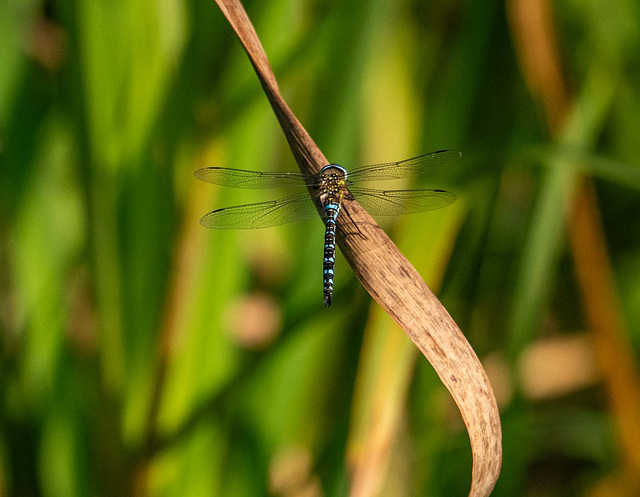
394	283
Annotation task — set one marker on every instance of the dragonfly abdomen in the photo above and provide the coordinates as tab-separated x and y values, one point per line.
331	215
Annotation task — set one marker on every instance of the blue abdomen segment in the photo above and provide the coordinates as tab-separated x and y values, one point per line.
331	212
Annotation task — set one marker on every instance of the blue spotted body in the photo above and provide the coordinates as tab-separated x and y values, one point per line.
330	187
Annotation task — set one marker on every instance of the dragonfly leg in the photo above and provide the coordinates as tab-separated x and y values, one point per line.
356	229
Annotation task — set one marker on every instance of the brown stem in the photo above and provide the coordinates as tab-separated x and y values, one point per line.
537	49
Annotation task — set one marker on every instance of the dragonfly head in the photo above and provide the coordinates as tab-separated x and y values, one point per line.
338	169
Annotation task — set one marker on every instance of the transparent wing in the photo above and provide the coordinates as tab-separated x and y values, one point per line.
261	215
395	202
237	178
404	168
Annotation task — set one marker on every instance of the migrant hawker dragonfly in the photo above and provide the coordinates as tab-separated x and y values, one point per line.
331	186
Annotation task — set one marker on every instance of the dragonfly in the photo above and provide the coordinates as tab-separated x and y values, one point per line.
330	186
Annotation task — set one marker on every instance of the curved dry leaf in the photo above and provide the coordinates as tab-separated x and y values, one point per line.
395	284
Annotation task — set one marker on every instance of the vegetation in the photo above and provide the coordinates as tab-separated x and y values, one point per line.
141	354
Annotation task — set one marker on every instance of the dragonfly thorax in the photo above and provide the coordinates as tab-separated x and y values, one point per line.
332	184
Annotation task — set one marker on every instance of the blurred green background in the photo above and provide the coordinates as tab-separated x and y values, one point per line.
141	354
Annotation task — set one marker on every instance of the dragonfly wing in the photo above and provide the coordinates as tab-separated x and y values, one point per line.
262	214
404	168
237	178
395	202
